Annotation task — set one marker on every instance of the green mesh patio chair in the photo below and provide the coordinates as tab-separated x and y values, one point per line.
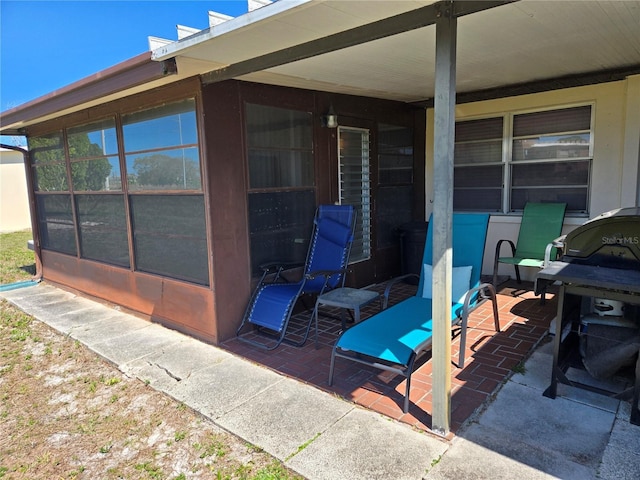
541	225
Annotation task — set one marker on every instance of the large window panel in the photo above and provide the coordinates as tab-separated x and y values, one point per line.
177	169
566	182
47	148
281	198
51	178
48	157
103	228
93	150
478	188
170	237
100	174
161	146
573	119
272	127
395	182
540	156
55	222
280	227
161	127
280	145
479	168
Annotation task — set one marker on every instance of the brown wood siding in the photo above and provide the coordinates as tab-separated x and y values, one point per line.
213	314
179	305
226	163
226	166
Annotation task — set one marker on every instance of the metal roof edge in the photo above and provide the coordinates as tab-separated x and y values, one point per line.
130	73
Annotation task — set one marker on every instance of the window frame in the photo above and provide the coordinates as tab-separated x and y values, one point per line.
78	121
507	161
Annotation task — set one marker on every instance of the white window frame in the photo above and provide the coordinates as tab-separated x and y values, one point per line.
507	149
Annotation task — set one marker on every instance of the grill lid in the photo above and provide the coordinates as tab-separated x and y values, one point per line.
611	239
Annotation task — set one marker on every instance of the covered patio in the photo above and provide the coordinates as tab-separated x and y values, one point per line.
450	61
490	358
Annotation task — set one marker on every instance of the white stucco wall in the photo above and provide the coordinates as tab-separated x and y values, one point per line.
14	201
615	181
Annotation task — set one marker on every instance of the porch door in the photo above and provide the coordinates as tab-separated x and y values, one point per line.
355	188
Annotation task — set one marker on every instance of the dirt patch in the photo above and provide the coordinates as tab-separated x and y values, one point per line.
65	413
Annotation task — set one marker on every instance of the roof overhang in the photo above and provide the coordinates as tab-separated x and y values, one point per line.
387	50
137	74
382	49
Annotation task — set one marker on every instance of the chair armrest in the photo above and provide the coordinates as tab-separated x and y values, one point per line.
393	282
557	243
277	268
499	246
485	291
325	273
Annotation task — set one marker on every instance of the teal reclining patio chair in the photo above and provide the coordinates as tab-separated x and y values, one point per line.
272	302
393	339
541	225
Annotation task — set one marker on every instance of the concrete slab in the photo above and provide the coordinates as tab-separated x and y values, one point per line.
285	417
105	327
621	459
224	386
521	414
586	397
182	359
165	368
537	371
20	293
364	445
485	453
138	343
67	321
521	434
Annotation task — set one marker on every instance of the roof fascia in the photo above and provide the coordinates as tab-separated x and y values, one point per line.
182	46
130	73
404	22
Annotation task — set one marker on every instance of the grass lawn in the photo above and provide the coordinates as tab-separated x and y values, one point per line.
65	413
17	262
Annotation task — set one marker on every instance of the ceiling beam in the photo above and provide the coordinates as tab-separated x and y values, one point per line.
404	22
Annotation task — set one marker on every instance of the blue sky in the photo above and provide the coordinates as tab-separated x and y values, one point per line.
46	45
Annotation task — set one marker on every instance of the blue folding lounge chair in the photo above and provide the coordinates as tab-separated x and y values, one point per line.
272	302
393	339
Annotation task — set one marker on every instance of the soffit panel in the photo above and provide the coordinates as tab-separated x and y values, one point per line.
512	44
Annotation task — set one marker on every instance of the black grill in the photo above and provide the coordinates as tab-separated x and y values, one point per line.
599	267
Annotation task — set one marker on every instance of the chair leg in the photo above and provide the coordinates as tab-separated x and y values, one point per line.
463	341
333	361
405	407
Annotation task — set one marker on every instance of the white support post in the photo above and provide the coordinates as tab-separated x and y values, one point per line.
444	129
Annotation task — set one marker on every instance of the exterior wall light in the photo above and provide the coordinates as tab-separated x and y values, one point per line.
330	119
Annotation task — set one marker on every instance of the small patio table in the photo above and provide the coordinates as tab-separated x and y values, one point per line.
346	298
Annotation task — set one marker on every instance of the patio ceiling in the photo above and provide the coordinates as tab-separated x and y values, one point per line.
513	44
332	45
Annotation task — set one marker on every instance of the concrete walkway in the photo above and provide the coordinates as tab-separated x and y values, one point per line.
520	435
